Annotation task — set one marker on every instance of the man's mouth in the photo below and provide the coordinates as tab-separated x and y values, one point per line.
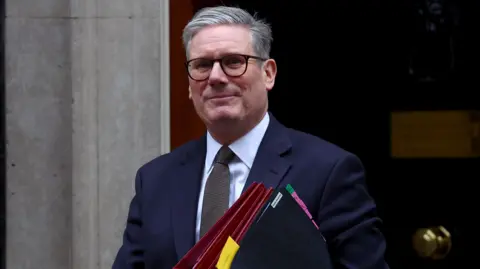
222	97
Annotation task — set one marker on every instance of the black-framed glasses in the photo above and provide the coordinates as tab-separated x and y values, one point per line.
233	65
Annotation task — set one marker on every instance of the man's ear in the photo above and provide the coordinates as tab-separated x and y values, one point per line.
270	72
189	93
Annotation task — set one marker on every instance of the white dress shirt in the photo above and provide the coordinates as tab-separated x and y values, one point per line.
245	150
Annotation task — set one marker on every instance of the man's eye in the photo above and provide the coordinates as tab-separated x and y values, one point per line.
233	61
202	64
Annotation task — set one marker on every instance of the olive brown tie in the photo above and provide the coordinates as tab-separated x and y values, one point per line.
217	190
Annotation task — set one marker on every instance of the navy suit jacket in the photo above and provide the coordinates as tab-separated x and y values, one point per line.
160	225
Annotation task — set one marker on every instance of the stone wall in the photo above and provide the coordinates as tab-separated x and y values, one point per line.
87	98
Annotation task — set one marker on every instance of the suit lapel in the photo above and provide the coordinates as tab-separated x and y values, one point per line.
186	188
270	165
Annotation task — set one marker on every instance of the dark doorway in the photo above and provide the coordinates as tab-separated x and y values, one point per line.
346	66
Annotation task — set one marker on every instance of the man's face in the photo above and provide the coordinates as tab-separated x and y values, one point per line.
220	97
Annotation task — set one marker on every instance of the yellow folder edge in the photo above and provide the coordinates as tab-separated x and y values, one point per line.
228	253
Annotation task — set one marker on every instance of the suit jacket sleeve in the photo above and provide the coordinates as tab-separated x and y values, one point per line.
347	215
130	254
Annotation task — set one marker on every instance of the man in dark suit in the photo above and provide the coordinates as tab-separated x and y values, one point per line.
180	195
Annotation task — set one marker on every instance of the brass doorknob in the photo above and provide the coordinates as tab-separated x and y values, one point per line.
434	243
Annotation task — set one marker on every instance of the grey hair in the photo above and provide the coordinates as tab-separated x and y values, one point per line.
223	15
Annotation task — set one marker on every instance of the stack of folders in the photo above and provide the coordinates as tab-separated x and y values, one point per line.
264	229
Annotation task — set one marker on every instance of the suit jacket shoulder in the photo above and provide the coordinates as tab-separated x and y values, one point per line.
164	162
332	181
318	150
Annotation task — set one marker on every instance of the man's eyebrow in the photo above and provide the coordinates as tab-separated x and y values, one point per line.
220	55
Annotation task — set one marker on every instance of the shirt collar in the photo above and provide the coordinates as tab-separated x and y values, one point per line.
245	148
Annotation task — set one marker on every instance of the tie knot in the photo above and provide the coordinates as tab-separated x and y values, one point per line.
224	155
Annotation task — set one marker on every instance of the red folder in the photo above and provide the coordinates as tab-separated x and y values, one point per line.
234	223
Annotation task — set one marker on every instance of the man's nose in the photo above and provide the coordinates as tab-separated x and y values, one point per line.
217	75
